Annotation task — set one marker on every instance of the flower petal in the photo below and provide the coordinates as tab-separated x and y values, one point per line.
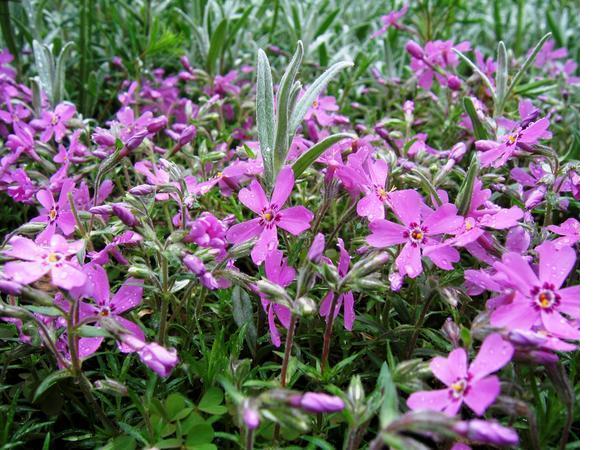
253	197
385	234
494	354
482	393
295	219
283	186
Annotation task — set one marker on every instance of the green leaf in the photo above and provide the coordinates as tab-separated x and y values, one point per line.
51	311
313	92
58	83
478	128
217	42
308	157
286	84
389	407
501	79
50	381
199	435
528	62
265	114
463	199
244	315
211	402
175	403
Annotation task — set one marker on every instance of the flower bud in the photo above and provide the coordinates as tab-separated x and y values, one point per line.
187	135
250	416
484	145
317	247
111	386
306	306
454	83
535	197
157	124
194	264
458	151
451	331
125	214
487	432
530	118
415	50
142	189
135	141
274	292
103	137
140	271
356	392
159	359
368	265
103	210
315	402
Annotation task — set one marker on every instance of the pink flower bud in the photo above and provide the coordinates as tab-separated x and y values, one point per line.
535	197
454	83
317	247
157	124
103	137
315	402
485	145
136	140
251	418
458	151
187	135
142	189
125	214
415	50
194	264
159	359
487	432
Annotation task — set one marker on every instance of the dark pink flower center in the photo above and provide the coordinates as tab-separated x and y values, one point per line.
545	298
104	311
54	119
269	216
53	214
416	234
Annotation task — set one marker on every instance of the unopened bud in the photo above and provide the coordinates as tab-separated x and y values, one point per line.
454	83
317	247
157	124
415	50
356	392
135	141
142	189
451	331
125	214
306	306
487	432
111	386
274	292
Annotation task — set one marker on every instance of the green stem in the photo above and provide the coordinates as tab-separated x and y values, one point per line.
413	339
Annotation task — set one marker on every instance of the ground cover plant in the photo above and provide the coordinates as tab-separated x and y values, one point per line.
277	224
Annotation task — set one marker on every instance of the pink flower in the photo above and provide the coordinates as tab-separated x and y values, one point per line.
538	298
375	173
294	220
40	259
280	273
317	402
53	123
107	305
569	230
346	299
158	358
390	20
56	213
472	384
522	137
419	229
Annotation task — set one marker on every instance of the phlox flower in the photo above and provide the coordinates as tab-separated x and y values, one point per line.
471	384
390	20
108	305
346	299
278	272
54	123
323	110
294	220
537	295
569	230
522	137
421	227
56	213
41	259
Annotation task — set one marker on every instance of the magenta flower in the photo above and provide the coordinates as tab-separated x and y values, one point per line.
128	238
110	305
538	298
522	137
372	205
420	228
323	111
569	230
472	384
487	432
317	402
158	358
295	220
280	273
54	123
390	20
41	259
14	113
56	213
346	299
429	63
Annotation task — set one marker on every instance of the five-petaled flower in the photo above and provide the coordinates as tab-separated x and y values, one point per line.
270	216
472	384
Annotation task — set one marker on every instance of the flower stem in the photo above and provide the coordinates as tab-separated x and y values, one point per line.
289	343
413	339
